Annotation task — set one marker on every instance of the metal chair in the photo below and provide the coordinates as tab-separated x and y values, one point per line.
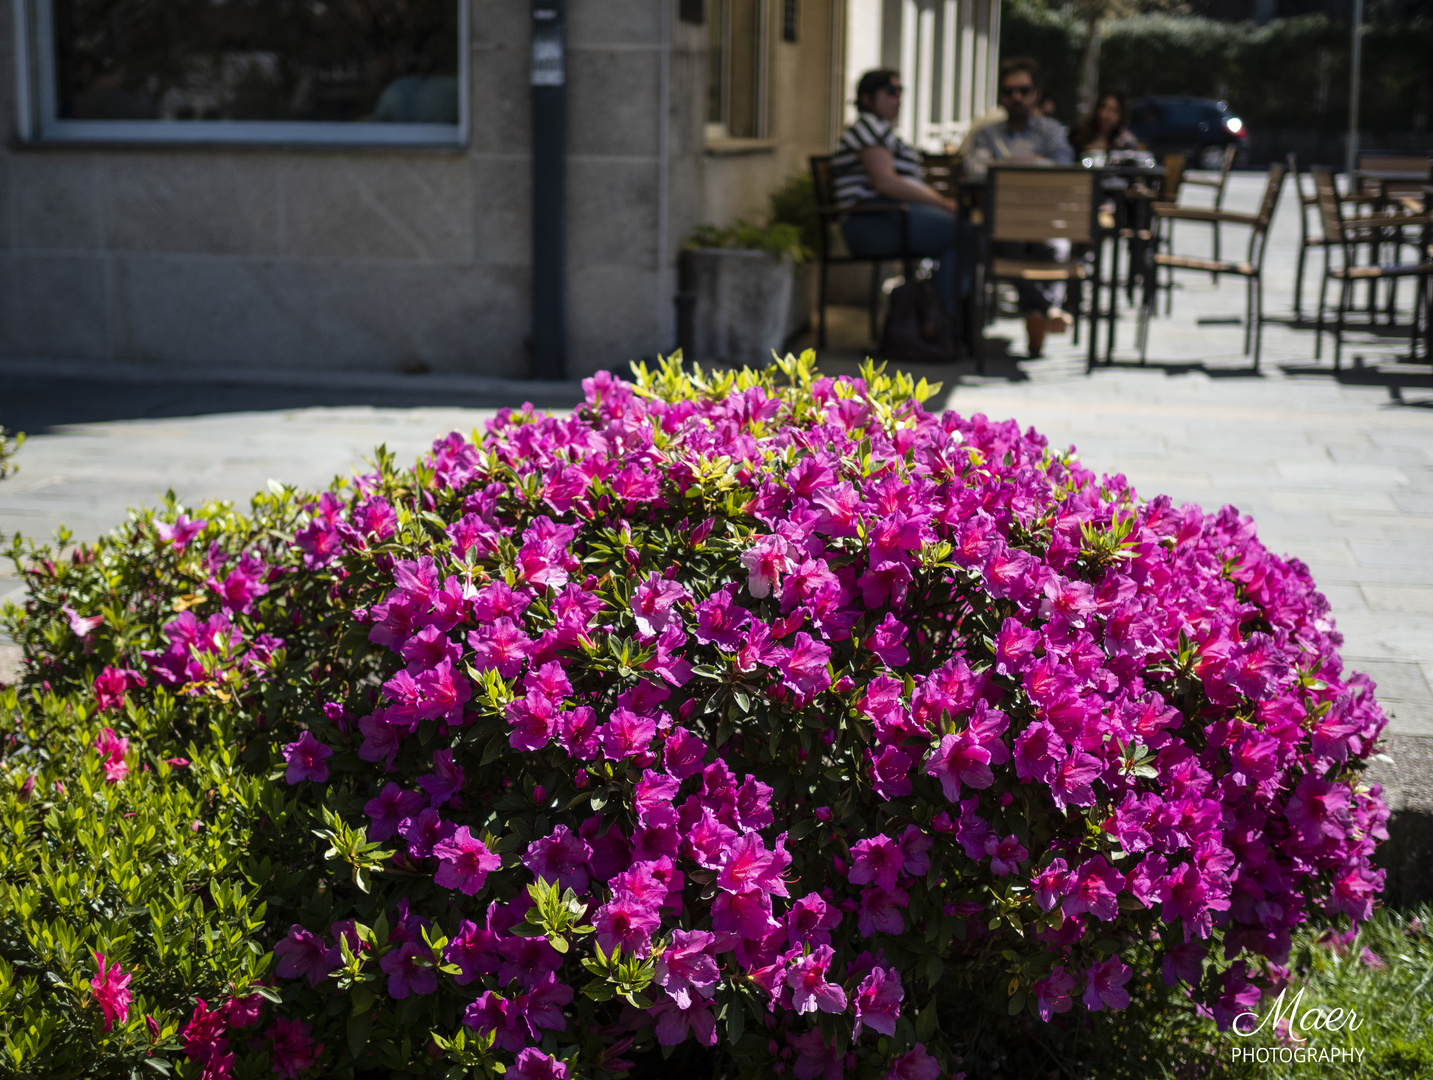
1307	238
1037	204
1250	269
1220	184
1174	166
827	253
1345	235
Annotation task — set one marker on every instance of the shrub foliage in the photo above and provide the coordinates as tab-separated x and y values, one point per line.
757	720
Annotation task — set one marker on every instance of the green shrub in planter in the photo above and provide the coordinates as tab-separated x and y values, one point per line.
756	723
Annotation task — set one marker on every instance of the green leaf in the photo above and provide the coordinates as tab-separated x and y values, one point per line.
735	1022
360	1026
1017	1002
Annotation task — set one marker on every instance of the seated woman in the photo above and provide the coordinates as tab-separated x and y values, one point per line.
1105	129
873	165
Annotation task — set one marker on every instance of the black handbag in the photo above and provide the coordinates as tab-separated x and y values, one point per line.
918	328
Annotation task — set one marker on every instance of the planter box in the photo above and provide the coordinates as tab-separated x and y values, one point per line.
742	304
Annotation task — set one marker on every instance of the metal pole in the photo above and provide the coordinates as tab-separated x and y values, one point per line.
1355	77
549	190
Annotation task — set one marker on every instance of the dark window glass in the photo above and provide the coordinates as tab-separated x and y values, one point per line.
314	60
788	19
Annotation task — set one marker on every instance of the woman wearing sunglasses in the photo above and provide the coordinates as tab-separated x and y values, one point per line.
873	165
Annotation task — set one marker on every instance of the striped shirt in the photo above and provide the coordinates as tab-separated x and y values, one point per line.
849	177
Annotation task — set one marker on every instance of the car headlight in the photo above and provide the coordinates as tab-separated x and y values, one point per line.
1234	125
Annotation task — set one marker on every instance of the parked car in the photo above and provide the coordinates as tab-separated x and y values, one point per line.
1199	128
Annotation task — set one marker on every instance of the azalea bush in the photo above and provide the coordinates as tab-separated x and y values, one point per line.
754	722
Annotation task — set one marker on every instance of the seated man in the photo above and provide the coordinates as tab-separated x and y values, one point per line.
873	165
1027	137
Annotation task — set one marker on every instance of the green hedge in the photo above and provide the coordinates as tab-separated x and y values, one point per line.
1290	73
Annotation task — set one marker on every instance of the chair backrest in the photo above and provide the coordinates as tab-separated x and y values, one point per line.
1419	165
1224	166
1173	176
822	181
1327	197
1271	197
1031	205
1305	198
942	172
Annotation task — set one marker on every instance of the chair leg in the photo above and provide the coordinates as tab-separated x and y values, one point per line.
821	306
1248	311
1114	311
1345	297
1319	326
1258	316
1299	282
1215	274
874	300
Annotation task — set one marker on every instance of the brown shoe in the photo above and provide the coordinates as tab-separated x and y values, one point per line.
1034	333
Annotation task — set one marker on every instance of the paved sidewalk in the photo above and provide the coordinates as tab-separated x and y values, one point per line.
1338	473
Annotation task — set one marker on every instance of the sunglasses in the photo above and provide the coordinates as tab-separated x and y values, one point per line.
1017	91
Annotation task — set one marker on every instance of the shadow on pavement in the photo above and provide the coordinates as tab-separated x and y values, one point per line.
36	404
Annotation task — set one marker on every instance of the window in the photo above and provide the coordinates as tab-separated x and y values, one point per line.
788	20
736	69
323	71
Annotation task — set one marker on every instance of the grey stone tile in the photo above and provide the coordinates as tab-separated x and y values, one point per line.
1397	680
616	22
53	304
612	101
56	203
1404	598
316	315
612	213
1390	553
502	209
205	204
416	207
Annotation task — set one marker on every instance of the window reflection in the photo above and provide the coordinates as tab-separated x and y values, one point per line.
393	61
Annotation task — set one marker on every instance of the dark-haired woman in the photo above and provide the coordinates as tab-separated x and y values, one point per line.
873	165
1105	129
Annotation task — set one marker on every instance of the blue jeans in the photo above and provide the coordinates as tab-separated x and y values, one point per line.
933	233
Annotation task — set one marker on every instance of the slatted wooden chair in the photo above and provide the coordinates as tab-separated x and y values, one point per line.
1025	204
1251	268
1220	184
1174	167
832	250
1344	236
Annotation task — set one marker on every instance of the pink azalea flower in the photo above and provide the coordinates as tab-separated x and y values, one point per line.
302	955
1005	855
1051	884
675	1023
294	1051
560	857
535	1065
445	781
627	924
878	1001
686	967
1094	887
112	750
804	667
810	989
81	627
410	970
306	760
626	734
464	862
817	1059
915	1064
473	949
765	562
500	645
1106	985
878	859
652	603
110	990
388	808
888	641
181	532
880	911
526	960
1052	993
113	684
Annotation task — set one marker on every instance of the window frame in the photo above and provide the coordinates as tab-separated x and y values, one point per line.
37	101
718	132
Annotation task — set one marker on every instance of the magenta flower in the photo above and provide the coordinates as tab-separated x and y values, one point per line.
242	585
810	920
445	781
720	621
1052	993
687	967
674	1023
560	857
914	1064
535	1065
1319	809
526	960
878	1001
302	955
473	949
1051	884
112	750
765	562
500	645
464	862
112	685
388	808
626	734
627	924
293	1051
810	990
1094	887
747	865
652	603
410	970
878	859
880	911
181	532
306	760
1106	985
110	990
1005	855
747	914
80	626
817	1059
960	759
804	667
888	641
